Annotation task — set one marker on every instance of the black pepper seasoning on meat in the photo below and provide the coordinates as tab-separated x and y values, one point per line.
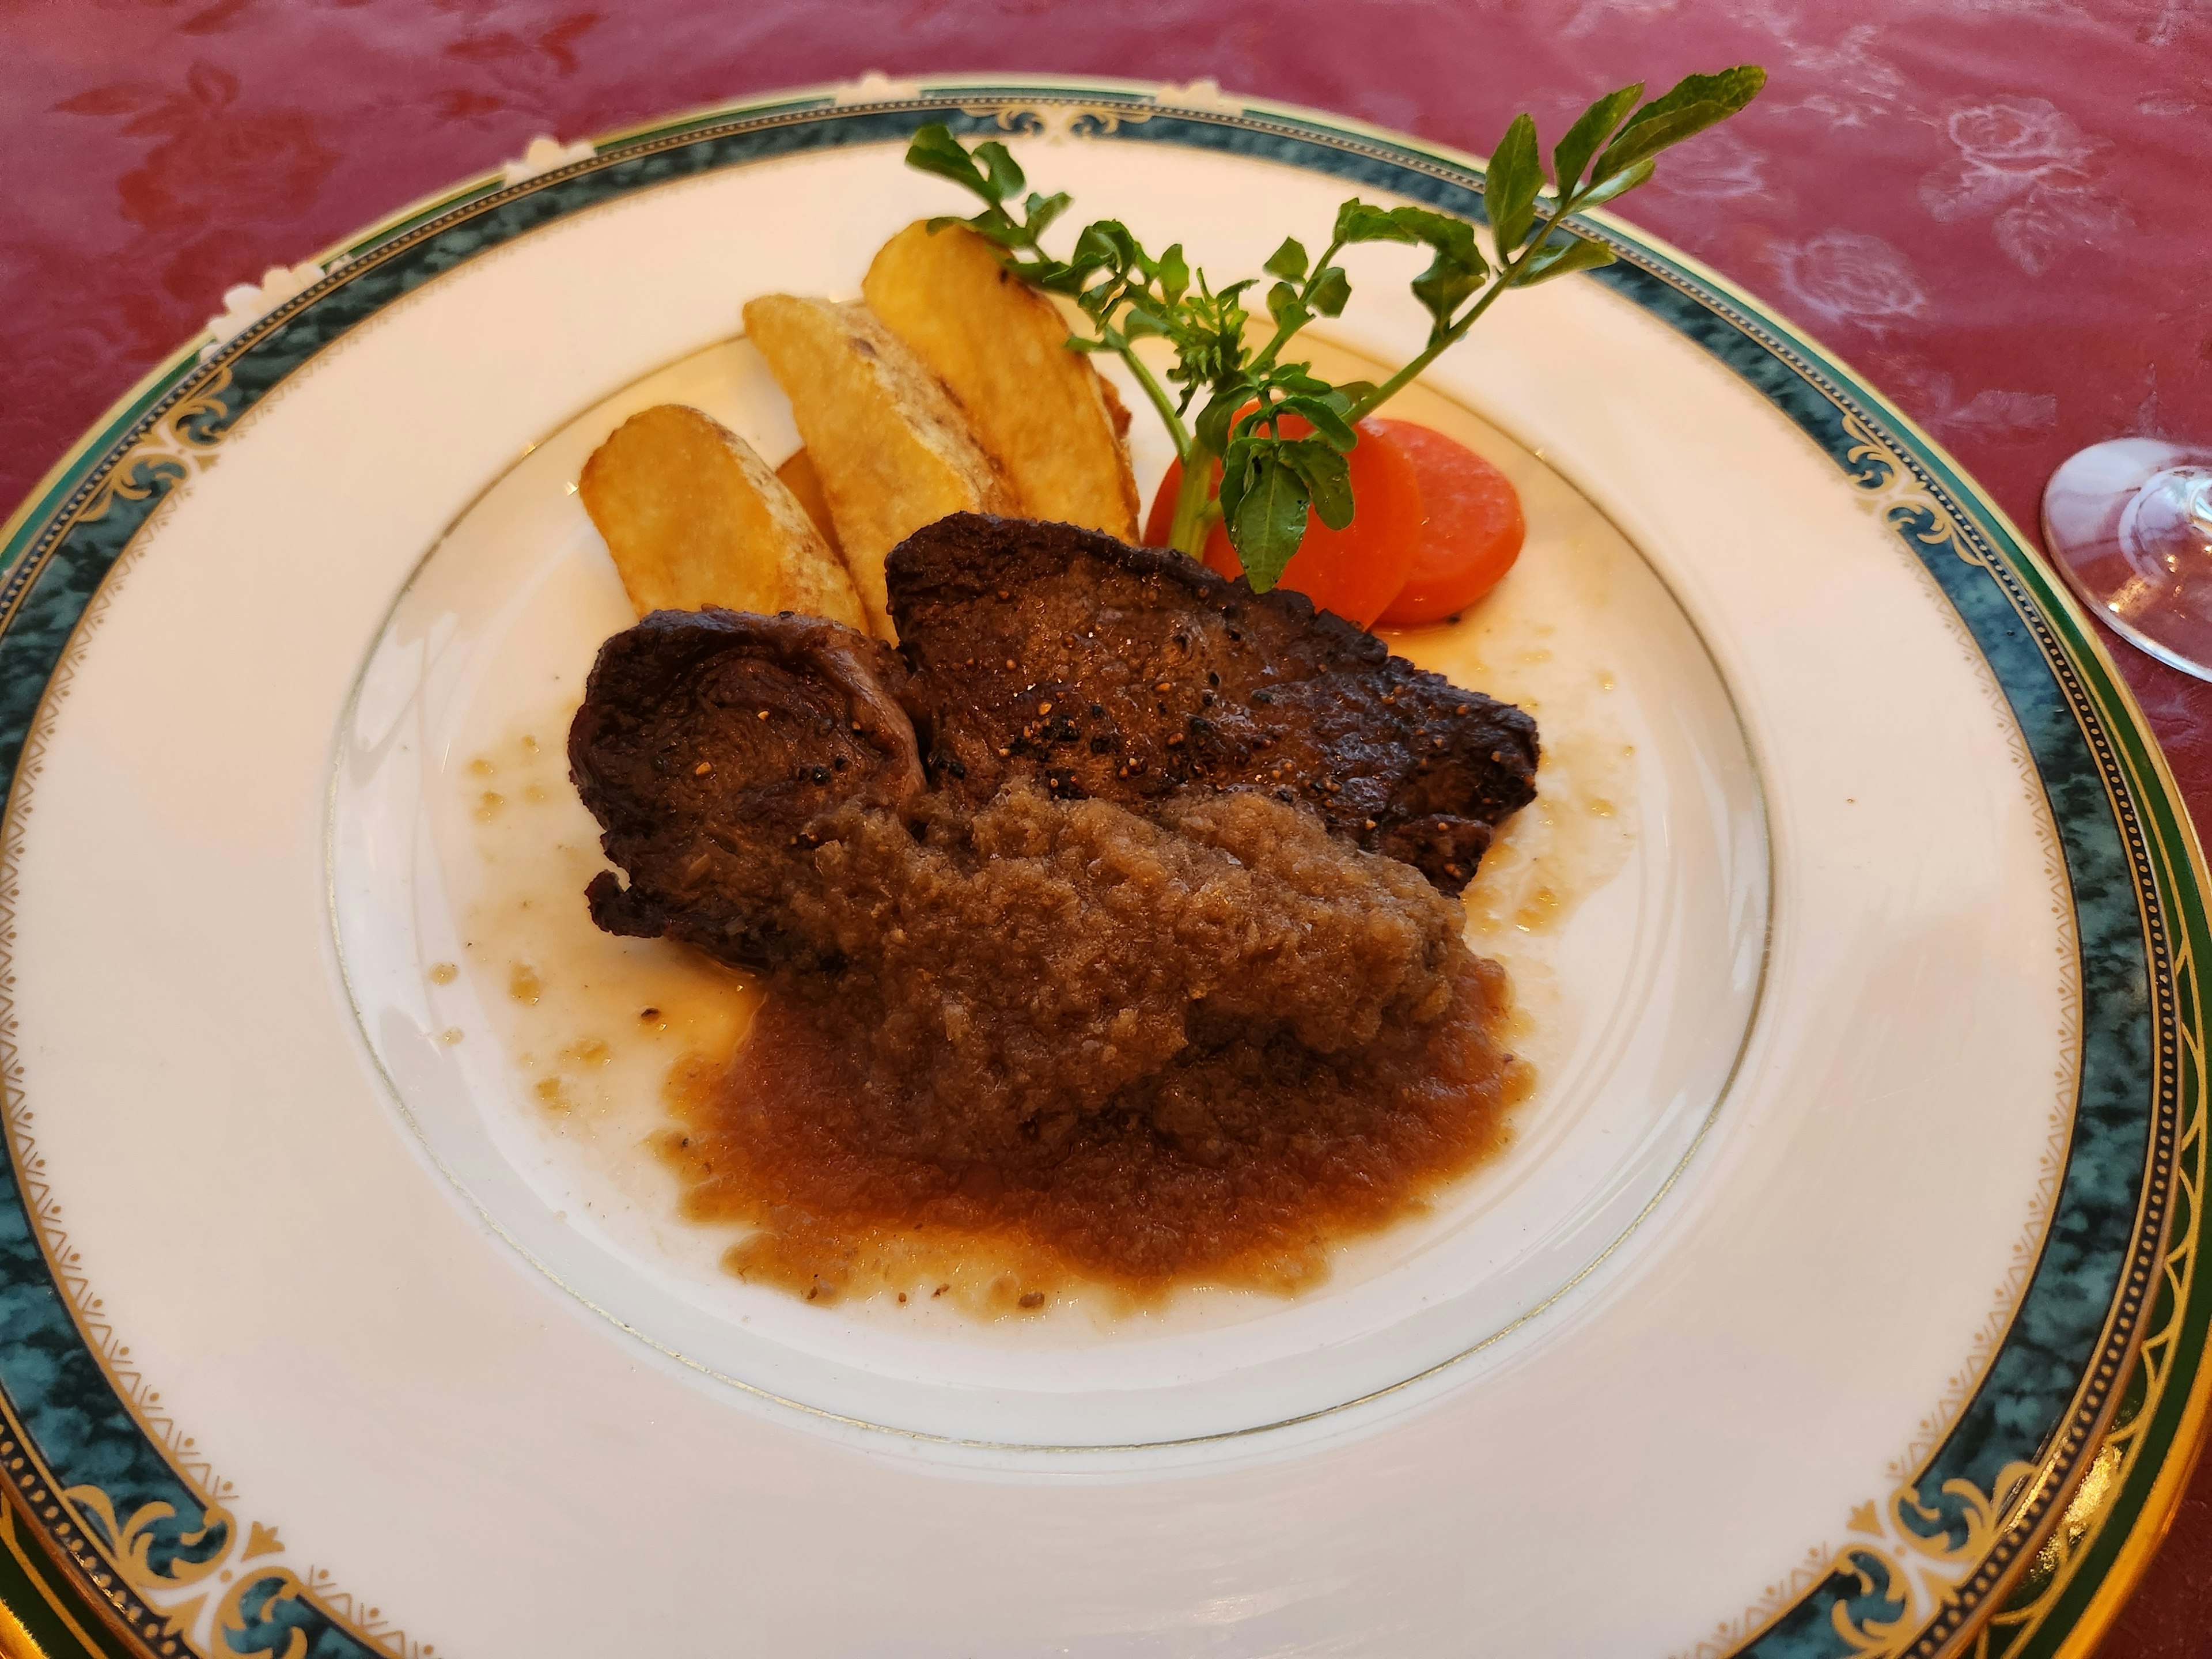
1145	640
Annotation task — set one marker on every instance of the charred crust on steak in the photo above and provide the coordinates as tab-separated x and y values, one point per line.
709	746
1134	673
715	748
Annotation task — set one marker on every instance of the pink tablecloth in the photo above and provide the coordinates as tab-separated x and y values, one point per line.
2001	210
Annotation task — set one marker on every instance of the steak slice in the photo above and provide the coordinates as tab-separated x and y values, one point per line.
1133	674
707	742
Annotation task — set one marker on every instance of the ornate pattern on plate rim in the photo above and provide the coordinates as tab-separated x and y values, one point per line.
178	1611
1899	489
175	441
176	447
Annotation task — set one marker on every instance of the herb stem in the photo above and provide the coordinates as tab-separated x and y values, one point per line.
1152	388
1237	463
1196	507
1266	360
1444	339
1436	346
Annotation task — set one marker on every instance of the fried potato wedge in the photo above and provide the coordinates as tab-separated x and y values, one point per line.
1040	409
891	447
800	478
694	517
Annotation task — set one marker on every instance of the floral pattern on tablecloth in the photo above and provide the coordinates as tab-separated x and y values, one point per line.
2024	165
1998	209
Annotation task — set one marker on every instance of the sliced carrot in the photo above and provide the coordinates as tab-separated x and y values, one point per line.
1356	571
1473	532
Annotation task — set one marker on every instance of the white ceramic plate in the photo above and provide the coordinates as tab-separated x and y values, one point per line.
347	1305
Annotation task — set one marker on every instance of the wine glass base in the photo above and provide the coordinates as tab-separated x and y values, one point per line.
2151	647
2129	524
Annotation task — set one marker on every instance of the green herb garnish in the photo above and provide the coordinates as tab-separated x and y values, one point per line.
1268	479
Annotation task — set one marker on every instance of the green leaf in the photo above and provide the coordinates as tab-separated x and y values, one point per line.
1442	232
1056	278
1405	224
1212	428
1731	89
1253	422
1690	107
1000	168
1327	476
1348	395
1269	521
1288	261
1138	322
1458	268
1041	211
1289	312
1509	188
934	149
1446	283
1359	221
1640	144
1550	261
1235	478
1107	243
1620	184
1591	129
1174	275
1330	291
1325	419
992	222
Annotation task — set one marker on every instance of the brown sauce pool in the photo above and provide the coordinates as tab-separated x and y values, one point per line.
1076	1047
618	1043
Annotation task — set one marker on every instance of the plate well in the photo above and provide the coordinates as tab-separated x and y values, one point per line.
1629	904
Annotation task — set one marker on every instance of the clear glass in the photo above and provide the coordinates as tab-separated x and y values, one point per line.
2128	523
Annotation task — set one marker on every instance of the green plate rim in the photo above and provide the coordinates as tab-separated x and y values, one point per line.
2055	1551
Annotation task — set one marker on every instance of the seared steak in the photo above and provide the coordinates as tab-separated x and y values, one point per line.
1133	674
1107	981
707	742
715	748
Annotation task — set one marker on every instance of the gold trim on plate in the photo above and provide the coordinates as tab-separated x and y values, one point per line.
170	450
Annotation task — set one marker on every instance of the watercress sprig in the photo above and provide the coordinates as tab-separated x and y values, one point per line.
1245	392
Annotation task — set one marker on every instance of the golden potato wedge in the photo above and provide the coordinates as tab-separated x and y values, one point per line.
800	478
694	517
1040	409
892	448
1117	414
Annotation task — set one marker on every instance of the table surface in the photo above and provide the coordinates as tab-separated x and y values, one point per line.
1993	208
